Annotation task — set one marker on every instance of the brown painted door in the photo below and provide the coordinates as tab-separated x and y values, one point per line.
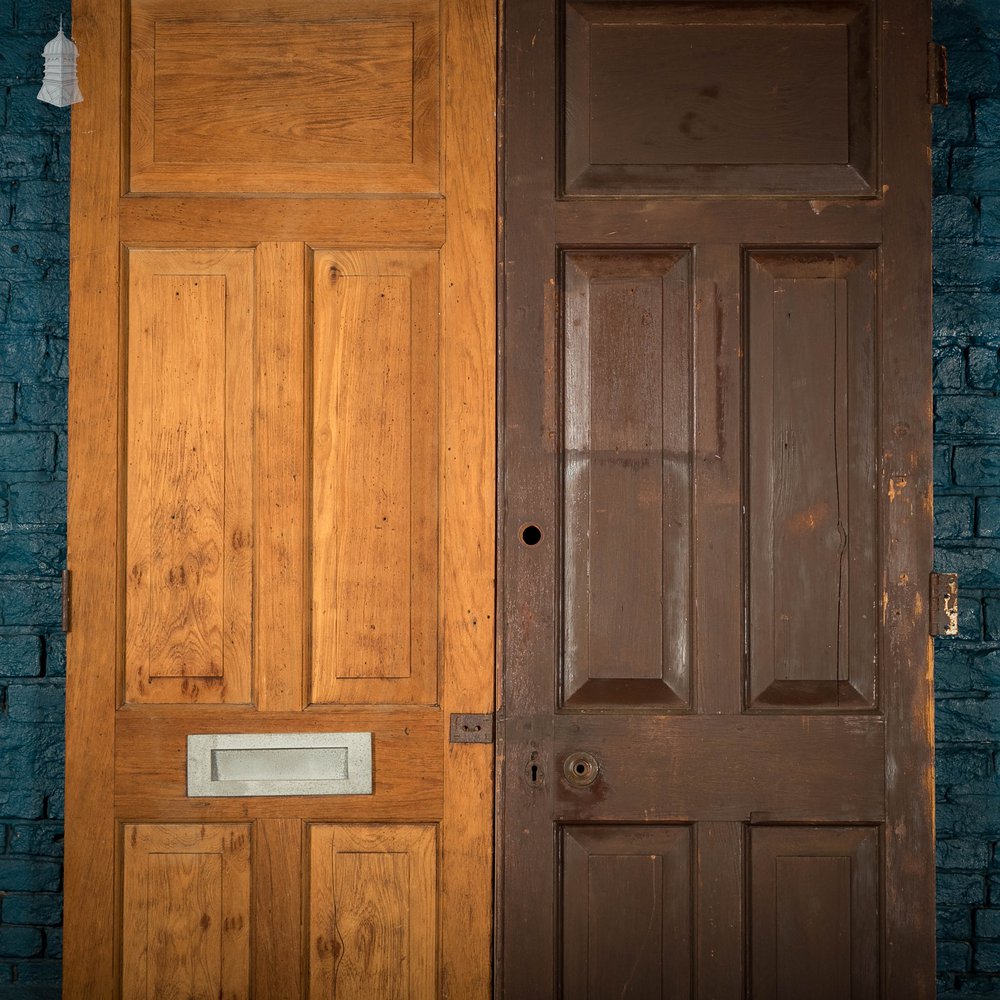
282	495
716	461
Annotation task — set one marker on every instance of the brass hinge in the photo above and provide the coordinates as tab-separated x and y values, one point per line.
66	597
944	604
472	728
937	74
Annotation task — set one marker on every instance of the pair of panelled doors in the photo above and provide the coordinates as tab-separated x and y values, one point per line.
712	761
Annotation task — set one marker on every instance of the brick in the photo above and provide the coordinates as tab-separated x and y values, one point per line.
27	451
952	124
942	465
42	403
966	22
952	670
33	702
961	767
970	619
20	357
29	875
987	957
987	923
965	719
955	218
39	503
949	369
984	668
6	402
967	416
30	602
53	942
55	804
953	515
962	315
987	517
965	854
42	839
941	170
977	466
39	202
38	972
971	72
956	267
983	367
55	656
957	889
954	922
33	553
953	956
19	802
20	942
975	170
20	656
29	300
976	563
24	155
37	908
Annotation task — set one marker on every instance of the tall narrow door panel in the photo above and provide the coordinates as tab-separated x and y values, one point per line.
716	538
282	497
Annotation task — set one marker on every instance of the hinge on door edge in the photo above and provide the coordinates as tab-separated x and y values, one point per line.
472	728
66	620
944	604
937	74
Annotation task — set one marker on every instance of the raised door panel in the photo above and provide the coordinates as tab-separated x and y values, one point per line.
668	98
281	98
812	509
814	913
186	912
189	489
627	479
373	912
375	418
627	912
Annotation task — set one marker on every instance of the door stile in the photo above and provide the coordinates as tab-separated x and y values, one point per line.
92	543
906	498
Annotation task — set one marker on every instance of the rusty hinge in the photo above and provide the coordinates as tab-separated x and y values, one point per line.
66	597
944	604
937	74
472	728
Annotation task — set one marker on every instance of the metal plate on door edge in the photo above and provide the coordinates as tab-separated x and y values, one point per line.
472	728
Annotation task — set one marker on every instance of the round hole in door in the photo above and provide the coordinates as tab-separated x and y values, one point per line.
531	534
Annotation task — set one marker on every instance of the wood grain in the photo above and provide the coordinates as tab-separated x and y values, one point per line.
186	917
374	533
189	433
280	480
373	912
93	552
344	102
468	500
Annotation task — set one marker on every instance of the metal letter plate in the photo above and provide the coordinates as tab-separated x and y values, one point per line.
247	764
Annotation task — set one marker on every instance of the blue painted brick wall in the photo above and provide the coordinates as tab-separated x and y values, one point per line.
34	253
967	496
34	148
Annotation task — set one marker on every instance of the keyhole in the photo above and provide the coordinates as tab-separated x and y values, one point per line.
580	768
534	773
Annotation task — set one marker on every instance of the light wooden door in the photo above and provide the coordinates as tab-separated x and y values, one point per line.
282	492
717	471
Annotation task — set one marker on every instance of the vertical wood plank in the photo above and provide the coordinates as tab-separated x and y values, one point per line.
718	470
719	870
906	497
468	500
277	885
92	527
280	575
